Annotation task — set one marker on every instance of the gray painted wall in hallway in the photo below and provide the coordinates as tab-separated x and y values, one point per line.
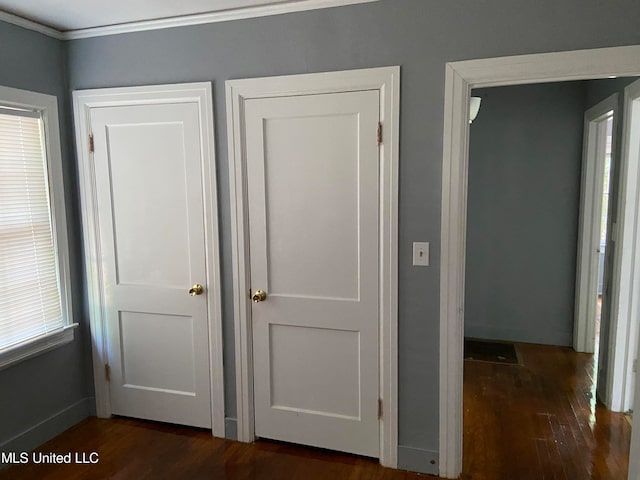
525	157
38	388
418	35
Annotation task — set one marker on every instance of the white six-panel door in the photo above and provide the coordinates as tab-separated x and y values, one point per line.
313	192
149	194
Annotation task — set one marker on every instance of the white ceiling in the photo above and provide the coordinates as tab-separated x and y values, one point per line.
71	15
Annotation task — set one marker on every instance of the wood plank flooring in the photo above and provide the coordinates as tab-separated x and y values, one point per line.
533	421
140	450
540	420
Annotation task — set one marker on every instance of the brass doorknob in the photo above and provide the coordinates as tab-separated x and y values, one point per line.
259	296
196	290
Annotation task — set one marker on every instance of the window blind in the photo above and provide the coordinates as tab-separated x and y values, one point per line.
30	302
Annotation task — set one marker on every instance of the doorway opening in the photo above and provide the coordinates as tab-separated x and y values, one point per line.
602	250
460	79
592	276
527	171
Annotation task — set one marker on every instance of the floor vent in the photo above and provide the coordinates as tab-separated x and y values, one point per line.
486	351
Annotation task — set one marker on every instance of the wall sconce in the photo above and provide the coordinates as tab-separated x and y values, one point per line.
474	107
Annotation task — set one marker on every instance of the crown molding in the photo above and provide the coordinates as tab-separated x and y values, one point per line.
31	25
276	8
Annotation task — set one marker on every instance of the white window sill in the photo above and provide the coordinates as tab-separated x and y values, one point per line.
36	346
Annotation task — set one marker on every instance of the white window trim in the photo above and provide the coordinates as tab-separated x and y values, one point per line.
47	105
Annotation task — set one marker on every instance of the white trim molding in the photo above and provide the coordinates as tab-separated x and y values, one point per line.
46	107
387	81
36	346
591	190
48	428
260	10
625	312
83	102
31	25
460	78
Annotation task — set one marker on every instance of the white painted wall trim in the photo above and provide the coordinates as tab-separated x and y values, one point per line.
83	102
48	428
274	8
31	25
452	269
634	456
592	177
460	78
47	108
625	308
387	81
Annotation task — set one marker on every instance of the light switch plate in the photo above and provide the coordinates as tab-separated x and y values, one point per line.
421	254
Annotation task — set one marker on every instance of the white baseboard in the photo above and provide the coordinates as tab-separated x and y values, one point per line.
45	430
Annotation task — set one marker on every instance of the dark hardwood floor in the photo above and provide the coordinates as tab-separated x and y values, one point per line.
536	421
134	449
540	420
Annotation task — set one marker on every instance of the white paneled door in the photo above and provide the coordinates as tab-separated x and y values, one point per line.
313	191
150	211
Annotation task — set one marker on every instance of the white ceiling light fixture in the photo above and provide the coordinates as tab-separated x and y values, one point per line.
474	108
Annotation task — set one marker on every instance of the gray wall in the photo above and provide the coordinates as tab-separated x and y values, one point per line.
53	387
525	156
598	90
418	35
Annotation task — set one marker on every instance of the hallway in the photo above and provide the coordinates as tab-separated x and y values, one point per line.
540	420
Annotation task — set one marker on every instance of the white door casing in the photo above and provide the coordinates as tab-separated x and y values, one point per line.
144	205
240	93
634	457
150	211
312	182
591	191
625	308
460	78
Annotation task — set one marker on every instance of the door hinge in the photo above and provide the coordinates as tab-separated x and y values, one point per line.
107	372
379	134
91	149
379	408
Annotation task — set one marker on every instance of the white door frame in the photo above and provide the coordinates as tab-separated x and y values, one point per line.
587	265
387	81
83	102
634	459
625	308
460	78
